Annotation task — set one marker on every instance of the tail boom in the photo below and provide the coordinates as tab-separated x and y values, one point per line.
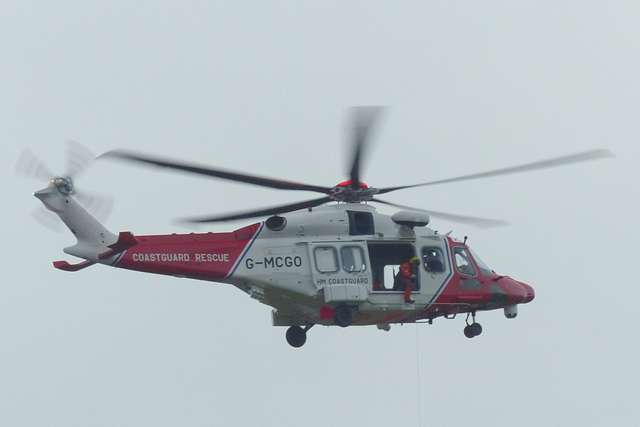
204	256
93	239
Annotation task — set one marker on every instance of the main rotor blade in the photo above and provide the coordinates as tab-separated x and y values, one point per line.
558	161
476	221
263	212
364	119
218	173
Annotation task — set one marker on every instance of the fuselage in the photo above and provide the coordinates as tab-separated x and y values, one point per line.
308	263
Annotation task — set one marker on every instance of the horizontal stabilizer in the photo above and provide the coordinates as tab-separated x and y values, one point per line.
65	266
126	239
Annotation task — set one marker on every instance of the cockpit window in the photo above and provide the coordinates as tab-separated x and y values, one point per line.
433	260
463	261
486	270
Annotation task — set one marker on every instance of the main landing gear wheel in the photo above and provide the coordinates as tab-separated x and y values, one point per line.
297	336
343	316
474	329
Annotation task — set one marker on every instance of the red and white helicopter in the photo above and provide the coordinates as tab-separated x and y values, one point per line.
330	260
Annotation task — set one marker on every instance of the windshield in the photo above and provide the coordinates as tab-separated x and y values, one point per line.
481	264
463	261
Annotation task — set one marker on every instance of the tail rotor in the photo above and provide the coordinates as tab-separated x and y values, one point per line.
78	160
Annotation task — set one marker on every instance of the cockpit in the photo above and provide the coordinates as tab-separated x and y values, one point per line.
463	261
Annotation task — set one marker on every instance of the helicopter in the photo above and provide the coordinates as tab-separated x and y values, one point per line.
332	261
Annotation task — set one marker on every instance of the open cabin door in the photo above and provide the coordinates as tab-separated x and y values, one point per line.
430	269
386	259
342	270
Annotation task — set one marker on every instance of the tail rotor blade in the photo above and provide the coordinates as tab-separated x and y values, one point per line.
100	206
30	165
79	158
47	219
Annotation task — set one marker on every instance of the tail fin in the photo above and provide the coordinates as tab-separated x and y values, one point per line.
93	238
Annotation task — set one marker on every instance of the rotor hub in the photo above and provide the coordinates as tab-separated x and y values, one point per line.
345	192
64	185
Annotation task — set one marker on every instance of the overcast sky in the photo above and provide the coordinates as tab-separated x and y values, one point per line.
265	88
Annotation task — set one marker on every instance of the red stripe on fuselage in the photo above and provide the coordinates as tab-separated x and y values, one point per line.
205	256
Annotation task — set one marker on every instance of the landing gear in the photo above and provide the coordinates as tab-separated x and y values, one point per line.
297	336
474	329
343	316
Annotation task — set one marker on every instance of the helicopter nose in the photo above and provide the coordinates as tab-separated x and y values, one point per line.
530	293
518	292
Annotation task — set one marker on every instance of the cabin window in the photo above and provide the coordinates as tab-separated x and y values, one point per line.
352	259
360	223
463	261
326	259
433	260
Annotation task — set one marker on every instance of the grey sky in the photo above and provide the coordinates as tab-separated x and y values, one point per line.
470	86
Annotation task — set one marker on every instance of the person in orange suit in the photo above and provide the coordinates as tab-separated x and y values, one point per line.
404	281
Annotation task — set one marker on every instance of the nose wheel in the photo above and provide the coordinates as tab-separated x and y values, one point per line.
474	329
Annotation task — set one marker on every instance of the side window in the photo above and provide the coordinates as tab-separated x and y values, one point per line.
433	260
360	223
326	259
463	262
352	259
